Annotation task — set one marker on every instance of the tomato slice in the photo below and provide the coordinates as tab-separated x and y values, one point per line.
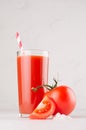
45	109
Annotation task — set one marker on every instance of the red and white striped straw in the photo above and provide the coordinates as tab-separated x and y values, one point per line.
20	45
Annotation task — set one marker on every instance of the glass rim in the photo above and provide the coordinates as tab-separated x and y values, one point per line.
37	52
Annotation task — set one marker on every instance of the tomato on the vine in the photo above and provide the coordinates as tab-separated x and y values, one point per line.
58	99
64	98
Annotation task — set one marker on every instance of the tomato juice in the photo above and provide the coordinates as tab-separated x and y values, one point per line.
32	71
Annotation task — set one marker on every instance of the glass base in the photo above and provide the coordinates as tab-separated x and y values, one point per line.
23	115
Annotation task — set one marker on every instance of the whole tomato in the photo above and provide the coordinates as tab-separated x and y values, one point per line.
64	99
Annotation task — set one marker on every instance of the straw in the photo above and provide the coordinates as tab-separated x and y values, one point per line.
20	45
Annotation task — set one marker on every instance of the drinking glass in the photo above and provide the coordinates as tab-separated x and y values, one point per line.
32	71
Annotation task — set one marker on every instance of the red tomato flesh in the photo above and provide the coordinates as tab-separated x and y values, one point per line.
45	109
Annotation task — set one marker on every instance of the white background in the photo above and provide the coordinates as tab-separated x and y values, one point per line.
58	26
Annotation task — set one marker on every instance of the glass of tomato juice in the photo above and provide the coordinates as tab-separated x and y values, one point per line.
32	71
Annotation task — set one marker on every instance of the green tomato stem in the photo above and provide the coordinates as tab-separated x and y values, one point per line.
47	86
